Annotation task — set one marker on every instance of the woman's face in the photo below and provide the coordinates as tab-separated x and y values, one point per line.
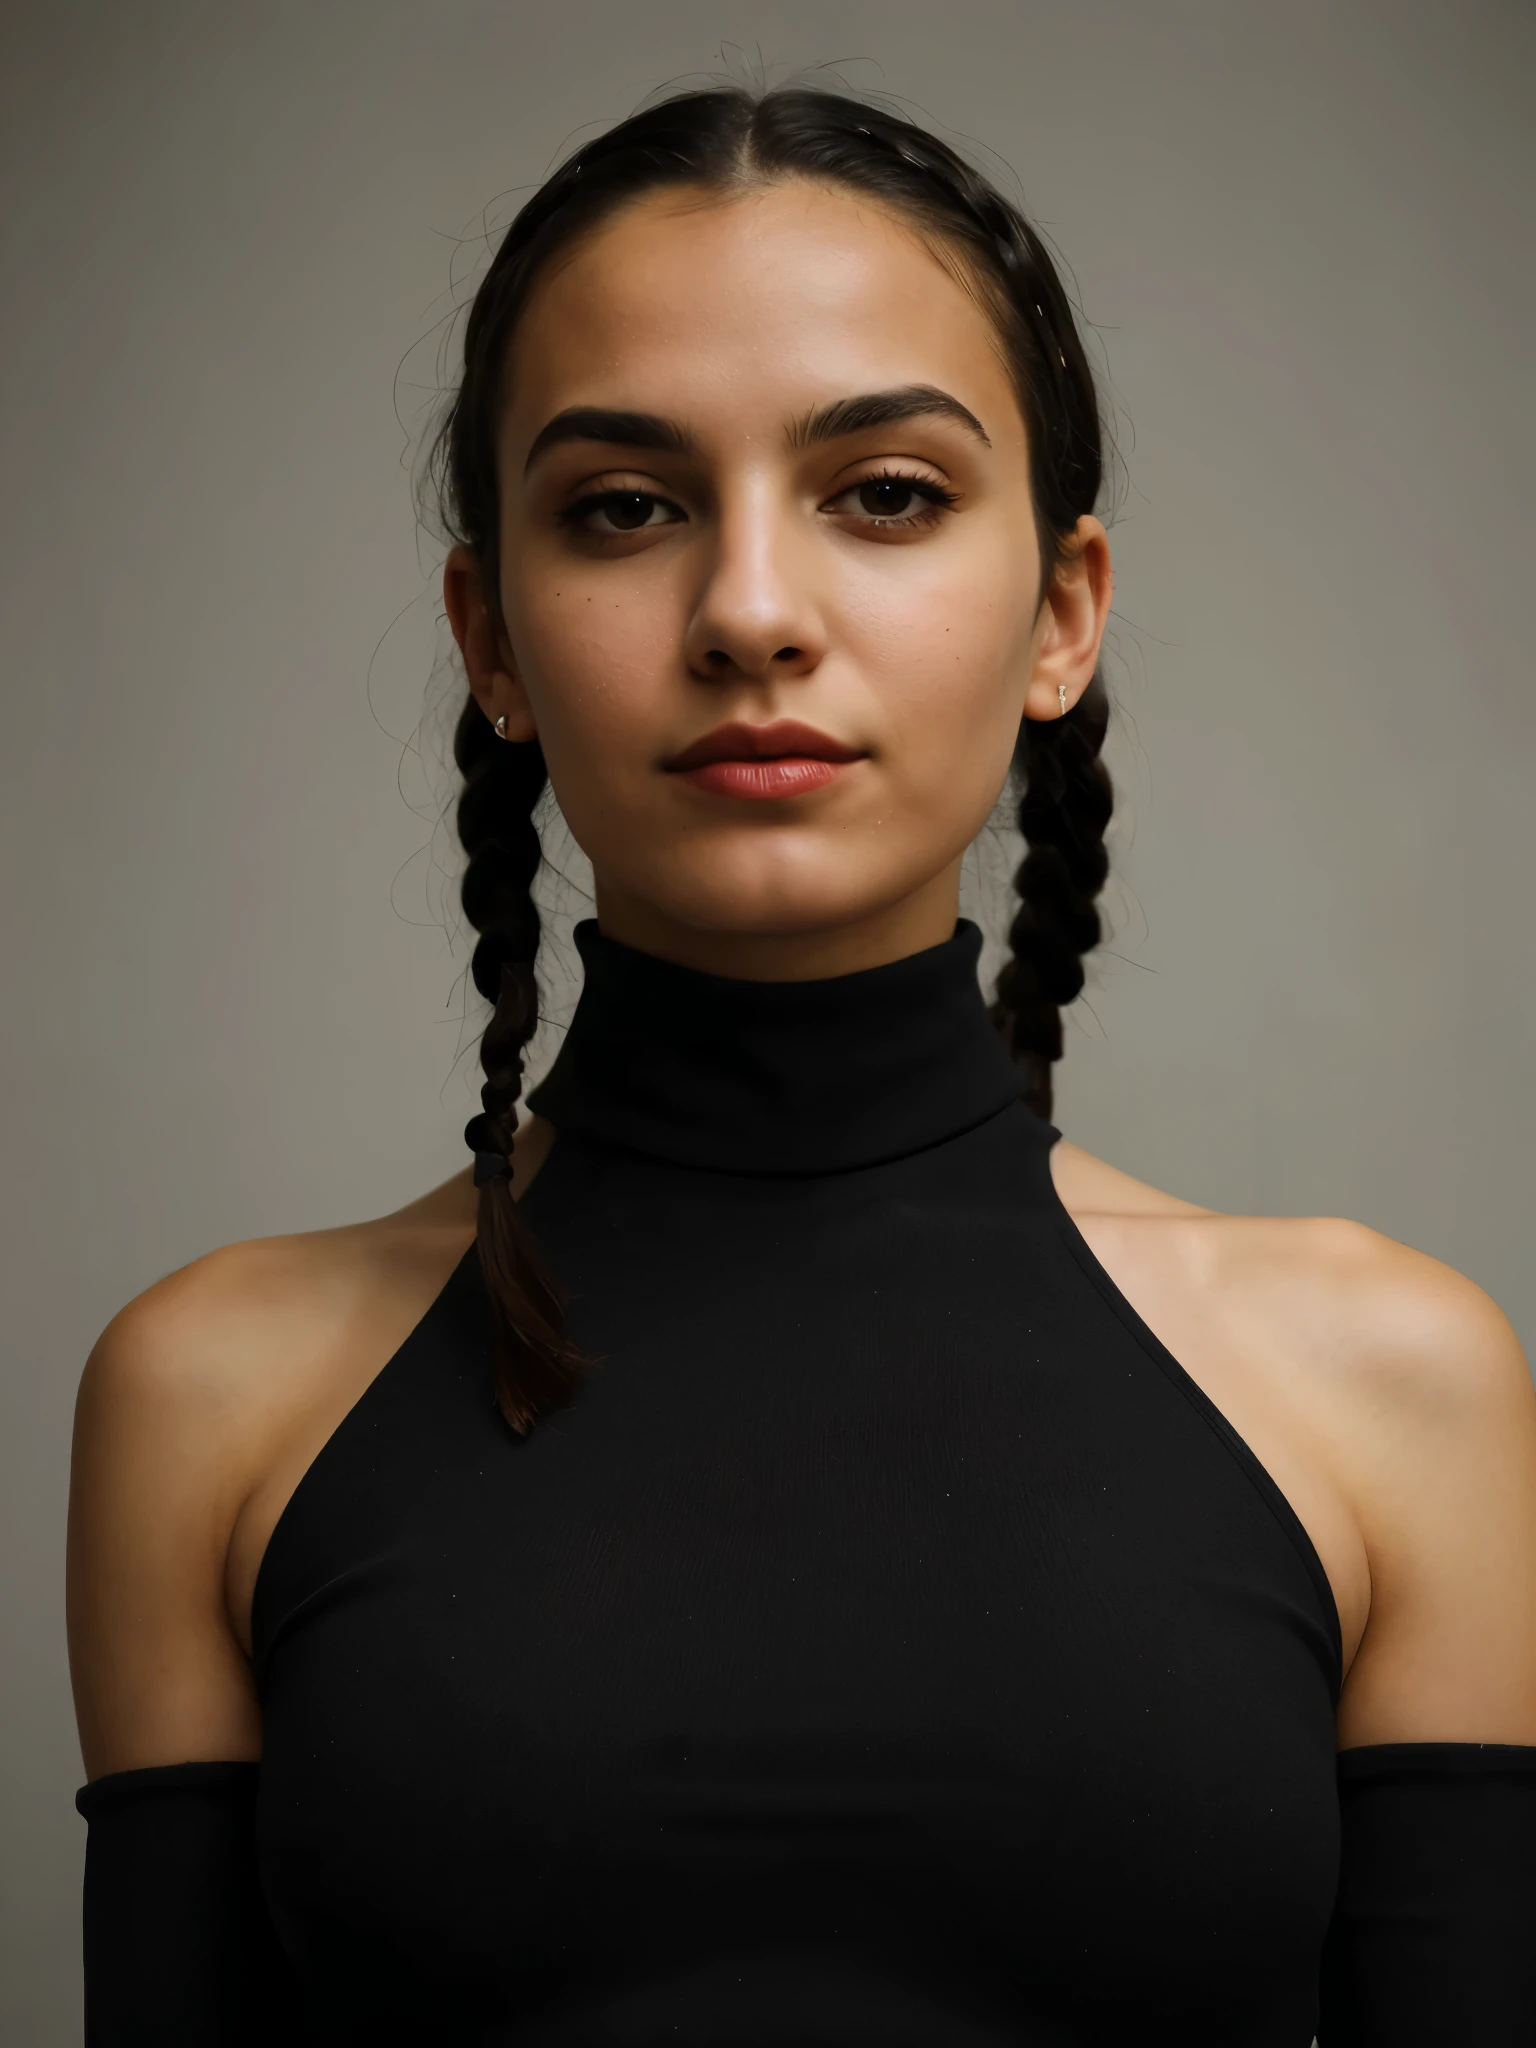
815	507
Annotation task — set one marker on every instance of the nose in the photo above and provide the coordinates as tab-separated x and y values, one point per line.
758	613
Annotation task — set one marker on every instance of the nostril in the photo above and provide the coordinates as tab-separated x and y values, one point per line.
718	659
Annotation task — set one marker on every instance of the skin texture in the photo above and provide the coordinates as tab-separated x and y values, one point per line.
1385	1393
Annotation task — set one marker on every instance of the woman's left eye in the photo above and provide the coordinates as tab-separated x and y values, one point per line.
897	500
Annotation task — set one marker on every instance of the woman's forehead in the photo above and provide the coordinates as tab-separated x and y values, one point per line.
763	302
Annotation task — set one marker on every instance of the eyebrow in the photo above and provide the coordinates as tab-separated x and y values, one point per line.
828	423
884	409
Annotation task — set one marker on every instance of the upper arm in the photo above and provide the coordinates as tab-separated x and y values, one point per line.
158	1472
1442	1473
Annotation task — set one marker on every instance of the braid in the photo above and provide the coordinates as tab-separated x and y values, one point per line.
1065	802
536	1365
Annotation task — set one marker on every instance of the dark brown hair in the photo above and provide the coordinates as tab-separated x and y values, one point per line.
725	139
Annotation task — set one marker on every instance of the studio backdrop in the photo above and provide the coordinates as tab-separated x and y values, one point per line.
234	239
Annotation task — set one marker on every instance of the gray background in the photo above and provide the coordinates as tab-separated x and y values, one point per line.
1300	234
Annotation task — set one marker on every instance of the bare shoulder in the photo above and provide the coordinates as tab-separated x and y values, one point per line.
212	1345
1429	1397
188	1402
1389	1394
1428	1366
1437	1418
1092	1186
217	1364
1398	1323
197	1383
1411	1340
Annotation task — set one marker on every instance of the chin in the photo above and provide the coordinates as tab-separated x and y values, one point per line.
739	892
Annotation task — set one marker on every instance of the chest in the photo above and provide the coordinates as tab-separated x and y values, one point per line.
869	1603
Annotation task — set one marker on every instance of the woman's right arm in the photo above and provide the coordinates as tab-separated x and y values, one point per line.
169	1429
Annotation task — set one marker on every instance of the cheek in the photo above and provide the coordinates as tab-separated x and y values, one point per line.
945	654
596	663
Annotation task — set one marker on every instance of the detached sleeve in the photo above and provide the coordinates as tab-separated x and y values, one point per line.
1432	1943
179	1946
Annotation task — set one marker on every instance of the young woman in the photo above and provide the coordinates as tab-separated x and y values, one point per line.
787	1547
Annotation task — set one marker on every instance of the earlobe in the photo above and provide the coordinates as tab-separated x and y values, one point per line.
1077	608
510	713
502	698
493	680
499	692
1045	700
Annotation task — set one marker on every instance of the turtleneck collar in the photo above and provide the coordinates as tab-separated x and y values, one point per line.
820	1076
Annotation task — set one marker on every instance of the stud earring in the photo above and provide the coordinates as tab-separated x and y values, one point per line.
1061	694
501	726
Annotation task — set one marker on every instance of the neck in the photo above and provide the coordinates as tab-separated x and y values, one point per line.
780	950
819	1074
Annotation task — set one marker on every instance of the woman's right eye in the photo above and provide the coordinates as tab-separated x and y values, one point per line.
614	512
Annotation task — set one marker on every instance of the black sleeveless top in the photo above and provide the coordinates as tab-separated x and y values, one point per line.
891	1643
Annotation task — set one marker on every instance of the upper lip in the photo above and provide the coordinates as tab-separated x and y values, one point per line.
740	742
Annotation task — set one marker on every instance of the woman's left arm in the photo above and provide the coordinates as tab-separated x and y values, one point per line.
1433	1936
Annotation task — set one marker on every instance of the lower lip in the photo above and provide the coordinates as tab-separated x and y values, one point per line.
788	775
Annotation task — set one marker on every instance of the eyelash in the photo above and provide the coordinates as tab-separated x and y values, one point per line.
939	500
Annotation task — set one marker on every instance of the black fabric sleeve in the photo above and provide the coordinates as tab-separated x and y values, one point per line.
1432	1943
179	1946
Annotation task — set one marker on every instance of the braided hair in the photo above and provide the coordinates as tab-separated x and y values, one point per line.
729	139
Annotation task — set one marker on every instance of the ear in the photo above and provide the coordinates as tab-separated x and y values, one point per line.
482	640
1070	628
